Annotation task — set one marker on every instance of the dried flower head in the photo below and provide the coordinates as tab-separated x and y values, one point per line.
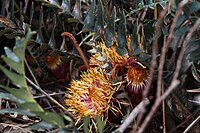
91	95
56	66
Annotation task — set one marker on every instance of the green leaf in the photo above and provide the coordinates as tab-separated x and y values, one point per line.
137	52
121	50
99	19
14	77
192	7
110	30
41	125
77	10
52	42
17	110
100	124
11	55
182	30
52	117
21	93
14	65
121	35
10	97
90	18
40	38
31	106
66	6
134	39
86	122
180	21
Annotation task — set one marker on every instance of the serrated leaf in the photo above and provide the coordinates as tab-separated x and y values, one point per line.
31	12
134	40
110	30
192	7
181	20
182	30
66	6
17	110
21	93
163	4
52	42
99	23
145	57
11	55
31	106
90	18
40	38
86	122
100	124
41	125
149	31
10	97
121	51
194	56
17	79
137	52
77	10
121	34
13	64
52	117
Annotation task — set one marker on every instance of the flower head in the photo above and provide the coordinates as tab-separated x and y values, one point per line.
111	55
136	77
91	95
58	68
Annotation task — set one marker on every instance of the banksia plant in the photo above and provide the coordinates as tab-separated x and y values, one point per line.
135	73
91	95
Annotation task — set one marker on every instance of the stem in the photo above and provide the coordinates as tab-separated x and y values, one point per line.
77	47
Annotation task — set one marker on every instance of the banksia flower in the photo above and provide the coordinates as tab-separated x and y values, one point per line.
136	77
111	56
55	65
91	95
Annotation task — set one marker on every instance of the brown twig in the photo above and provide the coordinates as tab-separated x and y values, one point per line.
153	62
175	80
132	115
77	47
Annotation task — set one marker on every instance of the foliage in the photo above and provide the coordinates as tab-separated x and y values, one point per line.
31	41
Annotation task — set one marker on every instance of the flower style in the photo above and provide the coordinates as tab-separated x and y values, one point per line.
91	95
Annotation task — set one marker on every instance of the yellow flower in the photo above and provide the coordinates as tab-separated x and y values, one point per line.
135	73
91	95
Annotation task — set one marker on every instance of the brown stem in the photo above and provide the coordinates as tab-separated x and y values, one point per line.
77	47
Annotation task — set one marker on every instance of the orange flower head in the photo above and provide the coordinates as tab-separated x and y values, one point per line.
91	95
136	77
